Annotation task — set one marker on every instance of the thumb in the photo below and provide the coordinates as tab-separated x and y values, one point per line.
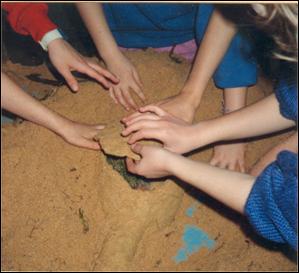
137	148
154	109
90	144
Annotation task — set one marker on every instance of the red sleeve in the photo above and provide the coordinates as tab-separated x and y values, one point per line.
29	19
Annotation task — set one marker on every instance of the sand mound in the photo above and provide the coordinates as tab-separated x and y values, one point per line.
65	208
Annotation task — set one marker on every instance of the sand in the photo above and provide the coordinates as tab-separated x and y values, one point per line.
65	208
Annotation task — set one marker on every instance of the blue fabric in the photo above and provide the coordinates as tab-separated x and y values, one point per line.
159	25
272	204
287	95
238	67
151	25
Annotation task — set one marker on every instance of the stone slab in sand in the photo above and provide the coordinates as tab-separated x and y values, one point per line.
64	208
113	143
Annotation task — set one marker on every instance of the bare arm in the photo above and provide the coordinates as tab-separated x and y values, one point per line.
260	118
230	188
257	119
215	43
20	103
95	21
15	100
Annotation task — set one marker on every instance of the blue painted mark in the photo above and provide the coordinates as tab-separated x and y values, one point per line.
194	239
190	211
181	256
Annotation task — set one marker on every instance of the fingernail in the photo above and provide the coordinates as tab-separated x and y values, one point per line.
75	88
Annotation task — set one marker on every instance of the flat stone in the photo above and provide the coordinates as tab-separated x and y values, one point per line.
113	143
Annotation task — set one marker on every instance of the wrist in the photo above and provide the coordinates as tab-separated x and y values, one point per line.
171	162
49	37
110	54
60	124
55	43
191	95
203	133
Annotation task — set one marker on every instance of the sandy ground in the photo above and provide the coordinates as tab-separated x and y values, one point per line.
64	208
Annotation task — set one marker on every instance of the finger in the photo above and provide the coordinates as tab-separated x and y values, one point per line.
90	144
137	79
154	109
142	117
85	69
70	79
232	166
222	165
104	72
214	162
141	124
149	108
119	96
136	88
131	165
254	172
111	94
135	114
137	148
145	134
242	167
130	101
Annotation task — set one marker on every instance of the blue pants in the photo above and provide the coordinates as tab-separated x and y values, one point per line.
160	25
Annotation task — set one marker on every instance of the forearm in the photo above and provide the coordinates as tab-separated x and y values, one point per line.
215	43
234	99
95	21
230	188
20	103
257	119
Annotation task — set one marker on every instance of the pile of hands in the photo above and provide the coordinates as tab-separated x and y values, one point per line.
149	122
159	121
152	122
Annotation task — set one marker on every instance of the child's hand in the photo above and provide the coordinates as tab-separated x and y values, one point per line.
66	59
180	106
80	134
129	80
147	166
229	156
153	122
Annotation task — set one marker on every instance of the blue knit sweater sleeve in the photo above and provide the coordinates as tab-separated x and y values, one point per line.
272	204
287	96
